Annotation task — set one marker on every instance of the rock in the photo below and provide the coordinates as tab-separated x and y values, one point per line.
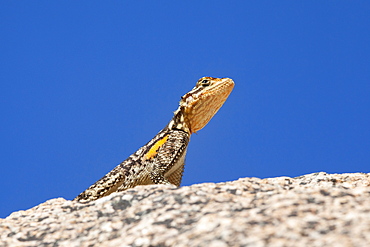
318	209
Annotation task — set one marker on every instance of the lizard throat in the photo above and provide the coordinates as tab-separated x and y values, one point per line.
178	122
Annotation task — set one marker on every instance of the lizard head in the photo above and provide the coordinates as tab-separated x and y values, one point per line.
200	104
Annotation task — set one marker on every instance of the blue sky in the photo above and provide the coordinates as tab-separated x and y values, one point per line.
84	84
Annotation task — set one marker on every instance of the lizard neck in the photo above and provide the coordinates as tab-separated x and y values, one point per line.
178	122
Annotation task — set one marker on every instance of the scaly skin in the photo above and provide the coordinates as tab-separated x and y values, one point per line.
161	160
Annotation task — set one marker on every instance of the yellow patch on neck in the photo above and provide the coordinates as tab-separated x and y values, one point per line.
154	149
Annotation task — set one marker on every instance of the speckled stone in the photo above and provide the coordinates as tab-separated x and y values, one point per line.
317	209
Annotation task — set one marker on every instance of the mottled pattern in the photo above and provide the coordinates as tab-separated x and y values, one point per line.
137	170
313	210
161	160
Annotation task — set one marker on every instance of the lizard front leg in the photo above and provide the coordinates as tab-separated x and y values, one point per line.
168	164
164	161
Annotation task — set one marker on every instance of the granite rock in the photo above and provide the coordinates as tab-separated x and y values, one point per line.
317	209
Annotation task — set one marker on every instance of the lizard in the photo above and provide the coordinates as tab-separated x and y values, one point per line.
161	160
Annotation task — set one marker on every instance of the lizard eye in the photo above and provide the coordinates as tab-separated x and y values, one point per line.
205	83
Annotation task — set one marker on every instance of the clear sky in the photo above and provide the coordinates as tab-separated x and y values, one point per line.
85	84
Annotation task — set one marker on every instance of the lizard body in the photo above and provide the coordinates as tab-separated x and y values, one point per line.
161	160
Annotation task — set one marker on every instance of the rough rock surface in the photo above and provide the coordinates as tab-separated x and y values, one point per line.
313	210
